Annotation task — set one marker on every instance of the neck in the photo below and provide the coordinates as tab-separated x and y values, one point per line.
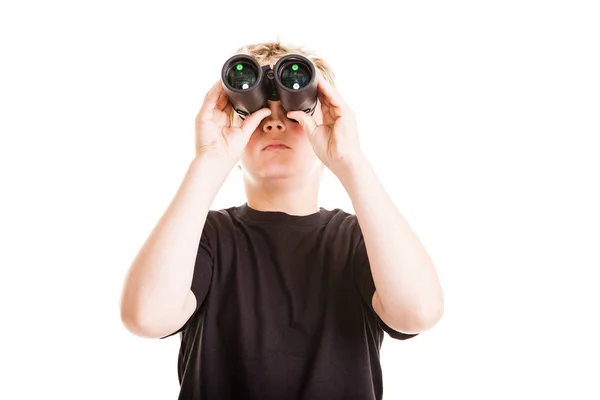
283	195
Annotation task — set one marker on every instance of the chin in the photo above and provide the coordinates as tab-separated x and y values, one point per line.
282	168
277	171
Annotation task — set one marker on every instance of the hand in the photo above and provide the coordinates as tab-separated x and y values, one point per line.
215	136
335	141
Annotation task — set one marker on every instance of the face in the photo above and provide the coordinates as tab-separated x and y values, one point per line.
298	160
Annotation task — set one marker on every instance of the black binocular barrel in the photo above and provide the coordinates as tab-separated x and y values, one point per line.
296	83
293	81
243	81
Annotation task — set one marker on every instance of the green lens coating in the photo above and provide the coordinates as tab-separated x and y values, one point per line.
242	76
295	76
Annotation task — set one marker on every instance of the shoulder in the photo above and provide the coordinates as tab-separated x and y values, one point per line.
223	215
341	218
345	223
217	224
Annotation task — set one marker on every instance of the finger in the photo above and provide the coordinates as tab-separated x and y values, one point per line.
306	121
253	120
328	94
210	101
222	101
228	110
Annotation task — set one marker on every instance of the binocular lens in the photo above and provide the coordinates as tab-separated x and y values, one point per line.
295	76
242	76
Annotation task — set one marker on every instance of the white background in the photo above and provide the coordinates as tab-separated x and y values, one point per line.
482	120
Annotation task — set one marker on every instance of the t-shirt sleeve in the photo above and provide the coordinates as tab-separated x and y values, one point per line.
366	286
203	269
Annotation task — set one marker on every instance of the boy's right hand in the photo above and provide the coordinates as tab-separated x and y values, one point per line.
215	136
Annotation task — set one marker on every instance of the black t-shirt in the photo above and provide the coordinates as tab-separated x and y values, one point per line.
283	310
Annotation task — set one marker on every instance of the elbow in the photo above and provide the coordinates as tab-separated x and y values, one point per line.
429	311
155	320
429	318
132	320
415	319
140	325
135	319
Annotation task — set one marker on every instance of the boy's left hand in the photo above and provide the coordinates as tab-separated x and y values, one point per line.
335	141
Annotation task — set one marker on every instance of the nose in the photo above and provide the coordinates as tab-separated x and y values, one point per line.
275	121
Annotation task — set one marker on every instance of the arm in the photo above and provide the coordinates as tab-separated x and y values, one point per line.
156	298
408	294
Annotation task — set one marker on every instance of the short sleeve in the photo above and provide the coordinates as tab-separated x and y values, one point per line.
201	279
366	286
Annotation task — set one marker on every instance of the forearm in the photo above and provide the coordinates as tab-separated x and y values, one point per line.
159	278
404	275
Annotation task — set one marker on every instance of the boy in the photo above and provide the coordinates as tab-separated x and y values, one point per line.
280	298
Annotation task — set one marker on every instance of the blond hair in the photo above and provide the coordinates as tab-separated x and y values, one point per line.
267	53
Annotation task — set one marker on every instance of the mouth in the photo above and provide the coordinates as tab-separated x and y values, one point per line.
276	147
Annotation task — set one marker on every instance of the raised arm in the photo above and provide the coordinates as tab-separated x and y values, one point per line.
157	298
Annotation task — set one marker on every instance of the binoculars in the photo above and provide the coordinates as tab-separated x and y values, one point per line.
292	80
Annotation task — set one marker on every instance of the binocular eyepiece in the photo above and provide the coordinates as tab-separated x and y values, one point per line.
292	80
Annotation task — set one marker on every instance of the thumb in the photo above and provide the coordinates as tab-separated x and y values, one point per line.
253	120
305	120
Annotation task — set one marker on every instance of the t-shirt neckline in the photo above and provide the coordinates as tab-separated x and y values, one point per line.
279	217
